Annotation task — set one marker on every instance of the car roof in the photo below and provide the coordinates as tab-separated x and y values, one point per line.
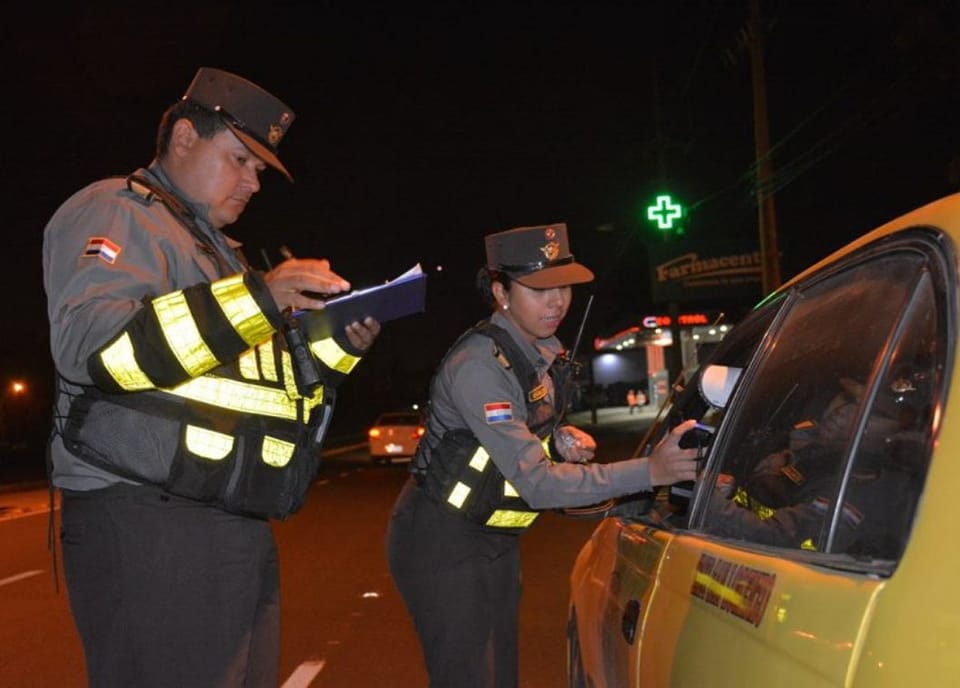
943	214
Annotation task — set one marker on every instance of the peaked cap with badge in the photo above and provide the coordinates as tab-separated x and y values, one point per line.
256	117
538	257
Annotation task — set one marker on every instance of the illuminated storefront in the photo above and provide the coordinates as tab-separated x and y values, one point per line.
639	352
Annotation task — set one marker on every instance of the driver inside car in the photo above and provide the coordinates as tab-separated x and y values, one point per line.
787	498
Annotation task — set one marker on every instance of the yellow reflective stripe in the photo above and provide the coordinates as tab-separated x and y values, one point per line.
241	309
248	365
238	396
310	403
479	459
509	490
764	512
289	381
505	518
741	497
208	444
290	384
328	351
808	545
545	443
120	362
276	452
182	335
458	495
267	363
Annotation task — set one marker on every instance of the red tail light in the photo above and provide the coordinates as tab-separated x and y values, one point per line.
419	433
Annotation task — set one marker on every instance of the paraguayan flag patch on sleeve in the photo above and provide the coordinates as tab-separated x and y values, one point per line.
498	412
102	248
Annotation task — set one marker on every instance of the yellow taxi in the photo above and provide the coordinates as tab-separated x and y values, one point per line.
819	545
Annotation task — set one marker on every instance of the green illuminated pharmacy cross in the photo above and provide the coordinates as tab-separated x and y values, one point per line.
664	212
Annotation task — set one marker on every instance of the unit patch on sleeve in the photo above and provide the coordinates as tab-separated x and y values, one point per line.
498	412
102	248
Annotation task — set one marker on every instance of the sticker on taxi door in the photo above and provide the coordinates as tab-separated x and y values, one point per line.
734	588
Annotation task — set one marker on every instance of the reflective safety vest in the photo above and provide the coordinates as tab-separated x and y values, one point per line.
457	471
742	498
247	445
197	393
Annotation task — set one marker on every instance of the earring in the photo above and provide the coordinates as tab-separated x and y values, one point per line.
506	306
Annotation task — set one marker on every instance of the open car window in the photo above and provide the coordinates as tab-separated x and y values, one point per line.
824	403
825	447
704	397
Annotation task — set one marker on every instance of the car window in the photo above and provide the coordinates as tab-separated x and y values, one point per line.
833	425
733	354
885	478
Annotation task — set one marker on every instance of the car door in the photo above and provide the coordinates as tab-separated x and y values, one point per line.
811	487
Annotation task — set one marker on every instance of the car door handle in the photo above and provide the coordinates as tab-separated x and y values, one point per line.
628	622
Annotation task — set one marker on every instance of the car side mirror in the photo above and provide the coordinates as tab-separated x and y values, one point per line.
717	383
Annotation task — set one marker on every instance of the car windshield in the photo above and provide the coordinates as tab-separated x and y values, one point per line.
399	419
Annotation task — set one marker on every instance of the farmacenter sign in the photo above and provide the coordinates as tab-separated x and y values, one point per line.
686	271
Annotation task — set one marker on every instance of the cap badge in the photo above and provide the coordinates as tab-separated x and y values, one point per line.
274	135
550	233
551	250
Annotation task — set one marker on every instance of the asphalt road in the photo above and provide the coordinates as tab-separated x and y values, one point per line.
343	624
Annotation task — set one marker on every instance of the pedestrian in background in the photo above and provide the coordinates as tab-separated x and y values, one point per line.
493	457
190	409
632	400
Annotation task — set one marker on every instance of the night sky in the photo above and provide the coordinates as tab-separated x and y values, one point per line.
420	128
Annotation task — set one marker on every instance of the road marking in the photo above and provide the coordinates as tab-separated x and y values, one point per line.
19	576
304	674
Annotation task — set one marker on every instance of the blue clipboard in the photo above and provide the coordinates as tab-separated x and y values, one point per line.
398	298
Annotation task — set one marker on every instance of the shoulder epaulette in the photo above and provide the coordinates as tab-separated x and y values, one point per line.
141	192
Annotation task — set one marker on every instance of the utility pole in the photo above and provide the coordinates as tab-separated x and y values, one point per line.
766	216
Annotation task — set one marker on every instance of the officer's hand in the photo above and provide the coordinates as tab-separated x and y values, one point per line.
668	462
574	444
361	335
289	280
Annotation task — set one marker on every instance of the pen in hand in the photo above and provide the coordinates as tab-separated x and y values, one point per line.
317	268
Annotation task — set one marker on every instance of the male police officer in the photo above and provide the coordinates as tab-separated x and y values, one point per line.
189	412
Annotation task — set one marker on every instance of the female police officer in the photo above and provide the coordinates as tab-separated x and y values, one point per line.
492	458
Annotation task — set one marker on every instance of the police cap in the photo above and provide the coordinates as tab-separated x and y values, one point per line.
257	118
538	257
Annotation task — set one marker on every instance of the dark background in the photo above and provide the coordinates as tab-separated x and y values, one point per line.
422	127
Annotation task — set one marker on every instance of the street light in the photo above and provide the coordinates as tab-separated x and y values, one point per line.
16	388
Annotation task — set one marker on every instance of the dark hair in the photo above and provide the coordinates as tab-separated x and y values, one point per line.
485	279
206	122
